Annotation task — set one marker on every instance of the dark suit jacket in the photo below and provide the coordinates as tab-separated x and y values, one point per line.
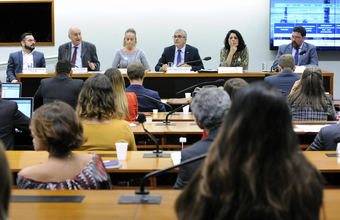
15	61
310	57
186	172
11	118
284	80
145	104
191	54
88	53
60	87
324	139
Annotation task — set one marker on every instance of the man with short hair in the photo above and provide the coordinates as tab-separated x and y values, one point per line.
298	46
61	86
286	78
180	53
135	74
80	53
209	108
24	59
11	118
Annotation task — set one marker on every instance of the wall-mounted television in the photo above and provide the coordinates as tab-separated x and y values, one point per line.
321	19
18	17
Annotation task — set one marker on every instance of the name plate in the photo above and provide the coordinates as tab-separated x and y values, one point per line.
299	69
230	69
178	69
35	71
123	70
79	70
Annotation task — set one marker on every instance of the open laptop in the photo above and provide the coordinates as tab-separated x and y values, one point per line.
25	105
11	90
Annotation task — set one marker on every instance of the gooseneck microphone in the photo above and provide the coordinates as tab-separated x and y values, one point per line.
142	193
194	61
202	83
156	153
155	100
166	122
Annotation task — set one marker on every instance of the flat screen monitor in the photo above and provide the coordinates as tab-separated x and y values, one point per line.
11	90
25	105
320	18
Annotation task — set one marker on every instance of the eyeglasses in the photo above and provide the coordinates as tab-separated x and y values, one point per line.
177	36
32	41
296	38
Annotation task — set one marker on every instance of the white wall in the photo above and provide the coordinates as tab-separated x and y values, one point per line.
103	22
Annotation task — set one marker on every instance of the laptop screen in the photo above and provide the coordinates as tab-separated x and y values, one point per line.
11	90
25	105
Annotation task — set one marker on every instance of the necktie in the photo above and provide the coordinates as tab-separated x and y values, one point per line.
296	57
178	57
74	57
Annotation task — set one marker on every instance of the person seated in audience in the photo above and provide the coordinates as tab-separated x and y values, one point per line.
235	52
135	74
308	100
209	108
285	80
5	183
324	139
126	101
233	85
103	122
254	169
57	129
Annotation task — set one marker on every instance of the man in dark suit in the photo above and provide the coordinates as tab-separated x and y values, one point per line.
61	87
286	78
135	74
81	53
309	57
209	108
24	59
180	53
324	139
11	118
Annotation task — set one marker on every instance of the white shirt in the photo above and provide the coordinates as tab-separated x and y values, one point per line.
79	63
27	60
182	55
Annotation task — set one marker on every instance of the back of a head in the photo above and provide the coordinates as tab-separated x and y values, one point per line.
287	61
63	66
5	183
116	78
312	81
135	71
58	127
231	86
210	106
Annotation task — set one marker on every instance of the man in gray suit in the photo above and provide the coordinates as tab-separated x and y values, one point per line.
304	53
80	53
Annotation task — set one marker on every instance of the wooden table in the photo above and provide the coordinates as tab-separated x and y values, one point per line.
103	204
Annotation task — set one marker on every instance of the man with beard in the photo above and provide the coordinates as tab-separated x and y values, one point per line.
22	60
304	53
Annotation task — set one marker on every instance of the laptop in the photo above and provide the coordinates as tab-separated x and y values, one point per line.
25	105
11	90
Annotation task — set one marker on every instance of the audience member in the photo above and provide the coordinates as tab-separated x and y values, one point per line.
308	100
285	80
324	139
135	74
5	184
233	85
24	59
57	130
130	53
61	87
254	169
102	119
11	118
209	108
126	101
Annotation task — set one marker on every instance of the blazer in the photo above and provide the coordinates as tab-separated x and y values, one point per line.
60	87
324	139
88	53
145	104
11	118
191	54
186	172
309	58
284	81
15	62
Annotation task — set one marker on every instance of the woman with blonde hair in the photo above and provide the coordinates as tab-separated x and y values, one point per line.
5	183
103	121
126	101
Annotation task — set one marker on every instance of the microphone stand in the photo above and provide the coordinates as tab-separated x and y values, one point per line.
202	83
194	61
142	196
167	122
155	100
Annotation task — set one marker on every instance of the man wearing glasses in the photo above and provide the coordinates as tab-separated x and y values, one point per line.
179	54
304	53
24	59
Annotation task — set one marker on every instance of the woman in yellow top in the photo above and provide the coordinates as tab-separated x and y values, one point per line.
103	122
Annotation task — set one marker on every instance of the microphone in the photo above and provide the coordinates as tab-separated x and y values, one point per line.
194	61
202	83
155	100
303	52
156	153
166	122
142	193
75	65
